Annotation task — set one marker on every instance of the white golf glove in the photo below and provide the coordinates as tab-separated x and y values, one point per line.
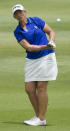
51	44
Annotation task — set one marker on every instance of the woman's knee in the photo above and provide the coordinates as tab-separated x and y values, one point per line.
29	89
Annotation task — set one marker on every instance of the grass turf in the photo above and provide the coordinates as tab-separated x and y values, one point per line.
14	103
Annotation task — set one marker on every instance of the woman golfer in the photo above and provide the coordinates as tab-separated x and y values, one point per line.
41	66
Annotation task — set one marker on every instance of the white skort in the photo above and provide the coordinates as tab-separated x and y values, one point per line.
41	69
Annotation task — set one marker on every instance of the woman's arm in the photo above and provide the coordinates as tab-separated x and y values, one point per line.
50	32
26	45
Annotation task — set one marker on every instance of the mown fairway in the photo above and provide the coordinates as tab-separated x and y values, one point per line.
14	103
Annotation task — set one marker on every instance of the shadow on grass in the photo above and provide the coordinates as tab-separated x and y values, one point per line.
21	123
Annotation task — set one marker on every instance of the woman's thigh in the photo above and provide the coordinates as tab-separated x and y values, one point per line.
42	85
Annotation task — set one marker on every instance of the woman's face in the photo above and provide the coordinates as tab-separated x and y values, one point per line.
20	15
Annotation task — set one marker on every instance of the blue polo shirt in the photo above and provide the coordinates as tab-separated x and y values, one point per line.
34	35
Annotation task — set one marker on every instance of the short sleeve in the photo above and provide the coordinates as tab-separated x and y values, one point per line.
19	36
39	22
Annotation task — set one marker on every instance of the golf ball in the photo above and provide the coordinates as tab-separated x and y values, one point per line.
58	20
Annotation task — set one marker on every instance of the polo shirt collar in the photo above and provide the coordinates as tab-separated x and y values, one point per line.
28	22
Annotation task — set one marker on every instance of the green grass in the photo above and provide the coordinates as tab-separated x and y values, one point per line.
14	103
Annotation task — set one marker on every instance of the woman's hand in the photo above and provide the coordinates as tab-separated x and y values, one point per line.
51	45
